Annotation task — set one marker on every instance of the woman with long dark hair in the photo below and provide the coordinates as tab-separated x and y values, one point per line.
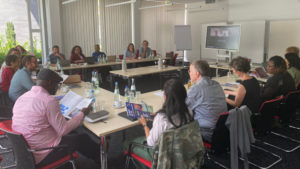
173	114
130	53
76	55
293	66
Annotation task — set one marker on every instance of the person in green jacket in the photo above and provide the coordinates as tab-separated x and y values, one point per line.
293	64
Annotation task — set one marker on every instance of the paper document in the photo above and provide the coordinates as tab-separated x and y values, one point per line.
72	103
64	77
160	93
232	84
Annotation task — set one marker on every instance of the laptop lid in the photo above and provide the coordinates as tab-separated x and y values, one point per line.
261	72
89	60
111	58
65	63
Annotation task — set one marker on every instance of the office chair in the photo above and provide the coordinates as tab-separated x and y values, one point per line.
24	155
220	144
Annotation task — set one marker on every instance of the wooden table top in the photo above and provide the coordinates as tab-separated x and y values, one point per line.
143	71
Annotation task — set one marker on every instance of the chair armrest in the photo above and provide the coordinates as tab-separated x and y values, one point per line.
48	148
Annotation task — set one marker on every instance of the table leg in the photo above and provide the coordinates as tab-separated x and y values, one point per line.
217	75
103	152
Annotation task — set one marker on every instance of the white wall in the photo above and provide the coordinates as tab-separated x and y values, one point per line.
208	13
157	26
282	35
241	10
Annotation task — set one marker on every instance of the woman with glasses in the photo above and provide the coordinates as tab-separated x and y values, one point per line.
280	83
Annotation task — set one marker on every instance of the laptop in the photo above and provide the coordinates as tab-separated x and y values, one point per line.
111	58
65	63
261	72
89	60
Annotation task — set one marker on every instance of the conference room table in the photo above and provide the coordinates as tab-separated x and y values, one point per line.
141	72
96	65
115	122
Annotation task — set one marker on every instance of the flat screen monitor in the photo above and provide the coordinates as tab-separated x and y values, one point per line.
223	37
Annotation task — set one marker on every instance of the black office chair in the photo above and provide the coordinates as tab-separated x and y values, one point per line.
259	157
270	109
23	154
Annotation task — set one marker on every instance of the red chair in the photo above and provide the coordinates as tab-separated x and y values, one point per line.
121	57
137	53
154	52
23	154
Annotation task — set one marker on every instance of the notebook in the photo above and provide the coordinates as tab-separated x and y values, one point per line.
94	117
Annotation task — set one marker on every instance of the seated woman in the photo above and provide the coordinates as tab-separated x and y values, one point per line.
12	64
173	114
12	51
248	91
130	53
280	83
76	55
293	65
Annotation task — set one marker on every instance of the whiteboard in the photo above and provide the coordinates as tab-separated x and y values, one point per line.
252	41
182	37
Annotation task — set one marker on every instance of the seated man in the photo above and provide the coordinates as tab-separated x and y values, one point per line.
22	81
97	55
145	51
53	57
206	98
37	116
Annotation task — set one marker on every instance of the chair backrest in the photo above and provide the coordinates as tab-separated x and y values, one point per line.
137	53
271	106
24	158
220	140
289	105
268	110
154	52
180	148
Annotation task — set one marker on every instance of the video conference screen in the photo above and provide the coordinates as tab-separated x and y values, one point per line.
223	37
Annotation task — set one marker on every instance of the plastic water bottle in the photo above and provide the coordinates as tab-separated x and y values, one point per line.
132	88
126	94
117	98
93	97
57	65
104	59
95	80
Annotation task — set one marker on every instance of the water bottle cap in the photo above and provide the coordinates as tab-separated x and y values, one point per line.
116	83
126	86
92	91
